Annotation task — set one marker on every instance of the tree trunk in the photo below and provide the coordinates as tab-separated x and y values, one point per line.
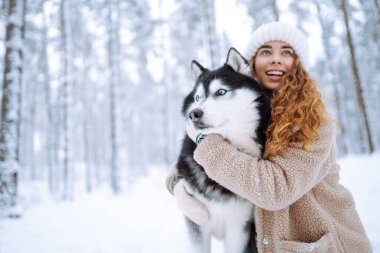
66	83
357	82
276	13
20	99
377	5
51	143
210	31
113	48
9	160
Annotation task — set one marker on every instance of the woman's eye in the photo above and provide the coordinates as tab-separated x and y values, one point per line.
220	92
265	52
287	53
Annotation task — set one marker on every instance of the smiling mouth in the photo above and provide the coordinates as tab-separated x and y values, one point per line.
275	73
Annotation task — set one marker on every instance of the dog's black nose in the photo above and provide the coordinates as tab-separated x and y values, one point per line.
195	115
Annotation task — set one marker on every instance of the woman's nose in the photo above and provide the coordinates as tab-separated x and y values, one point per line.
276	58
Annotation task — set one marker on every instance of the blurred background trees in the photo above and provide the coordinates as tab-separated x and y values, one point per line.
92	90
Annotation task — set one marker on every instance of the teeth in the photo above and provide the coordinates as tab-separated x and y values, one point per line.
274	72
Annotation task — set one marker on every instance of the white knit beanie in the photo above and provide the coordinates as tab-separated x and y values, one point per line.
279	31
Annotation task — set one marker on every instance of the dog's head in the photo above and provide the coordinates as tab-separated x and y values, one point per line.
226	100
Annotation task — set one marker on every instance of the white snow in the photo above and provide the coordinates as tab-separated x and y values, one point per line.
146	217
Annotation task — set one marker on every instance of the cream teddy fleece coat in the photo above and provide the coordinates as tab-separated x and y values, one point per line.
300	206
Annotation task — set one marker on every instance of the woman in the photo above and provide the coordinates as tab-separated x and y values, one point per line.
299	204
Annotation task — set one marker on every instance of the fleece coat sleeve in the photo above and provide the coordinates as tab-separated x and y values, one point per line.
270	184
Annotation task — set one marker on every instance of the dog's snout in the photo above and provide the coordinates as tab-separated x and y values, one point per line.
195	115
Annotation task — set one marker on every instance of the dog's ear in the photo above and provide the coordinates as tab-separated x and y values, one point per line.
196	70
236	61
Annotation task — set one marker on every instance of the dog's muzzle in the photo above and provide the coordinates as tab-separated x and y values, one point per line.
196	118
195	115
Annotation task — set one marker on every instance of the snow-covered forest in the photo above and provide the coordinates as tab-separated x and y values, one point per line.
91	90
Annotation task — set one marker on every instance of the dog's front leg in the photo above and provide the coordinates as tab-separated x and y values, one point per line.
200	238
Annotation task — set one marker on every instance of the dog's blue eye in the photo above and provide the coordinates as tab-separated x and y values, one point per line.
197	98
220	92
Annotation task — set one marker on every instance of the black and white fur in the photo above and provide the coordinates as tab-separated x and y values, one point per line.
230	102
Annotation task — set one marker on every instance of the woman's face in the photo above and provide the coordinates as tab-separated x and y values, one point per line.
273	60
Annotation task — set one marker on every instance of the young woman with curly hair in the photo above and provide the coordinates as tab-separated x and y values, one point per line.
299	204
301	120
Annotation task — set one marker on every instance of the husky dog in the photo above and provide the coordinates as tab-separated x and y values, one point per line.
230	102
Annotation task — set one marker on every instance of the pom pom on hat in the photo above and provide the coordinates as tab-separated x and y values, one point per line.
279	31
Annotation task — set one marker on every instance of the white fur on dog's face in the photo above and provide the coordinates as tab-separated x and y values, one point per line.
232	114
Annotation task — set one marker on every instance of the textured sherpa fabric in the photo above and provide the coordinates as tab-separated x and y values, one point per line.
300	206
279	31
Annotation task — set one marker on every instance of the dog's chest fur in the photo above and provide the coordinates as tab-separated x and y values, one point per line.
228	214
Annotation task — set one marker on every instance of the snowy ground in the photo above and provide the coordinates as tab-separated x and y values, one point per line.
146	219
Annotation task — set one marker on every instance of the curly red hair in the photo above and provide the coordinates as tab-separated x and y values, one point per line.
297	111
